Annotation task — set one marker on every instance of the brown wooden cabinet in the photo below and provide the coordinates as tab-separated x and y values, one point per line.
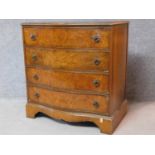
77	71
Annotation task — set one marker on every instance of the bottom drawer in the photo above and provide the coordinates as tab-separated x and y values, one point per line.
69	101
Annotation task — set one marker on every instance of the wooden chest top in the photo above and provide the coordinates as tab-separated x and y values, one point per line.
57	24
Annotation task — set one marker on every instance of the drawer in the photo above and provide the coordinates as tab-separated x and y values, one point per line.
75	37
69	80
68	59
68	101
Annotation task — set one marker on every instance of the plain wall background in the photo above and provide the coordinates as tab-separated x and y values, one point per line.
141	59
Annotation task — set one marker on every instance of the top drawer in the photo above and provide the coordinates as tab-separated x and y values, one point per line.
68	37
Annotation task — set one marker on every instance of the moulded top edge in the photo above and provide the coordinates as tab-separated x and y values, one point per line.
77	23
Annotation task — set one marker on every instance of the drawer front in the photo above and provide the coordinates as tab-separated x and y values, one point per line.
68	59
67	37
68	80
69	101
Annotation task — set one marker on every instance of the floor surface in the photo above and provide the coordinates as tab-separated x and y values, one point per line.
140	119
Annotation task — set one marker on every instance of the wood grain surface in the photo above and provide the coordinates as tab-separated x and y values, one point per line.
67	37
68	59
77	72
106	124
68	101
69	80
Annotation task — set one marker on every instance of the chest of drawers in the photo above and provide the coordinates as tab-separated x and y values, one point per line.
77	71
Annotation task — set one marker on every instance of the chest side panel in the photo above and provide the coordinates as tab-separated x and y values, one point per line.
119	64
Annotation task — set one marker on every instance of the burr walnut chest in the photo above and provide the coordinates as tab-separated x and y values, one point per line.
77	71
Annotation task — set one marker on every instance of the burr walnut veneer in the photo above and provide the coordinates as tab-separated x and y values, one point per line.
77	71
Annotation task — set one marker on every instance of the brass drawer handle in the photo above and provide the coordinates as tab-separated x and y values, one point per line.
37	95
33	37
36	77
34	57
96	104
96	83
97	62
96	38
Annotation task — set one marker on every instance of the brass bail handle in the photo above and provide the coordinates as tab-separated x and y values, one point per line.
96	104
36	77
97	62
96	38
34	57
37	95
96	83
33	37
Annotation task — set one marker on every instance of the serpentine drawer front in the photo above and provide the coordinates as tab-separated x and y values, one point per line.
79	37
69	101
77	71
65	59
69	80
